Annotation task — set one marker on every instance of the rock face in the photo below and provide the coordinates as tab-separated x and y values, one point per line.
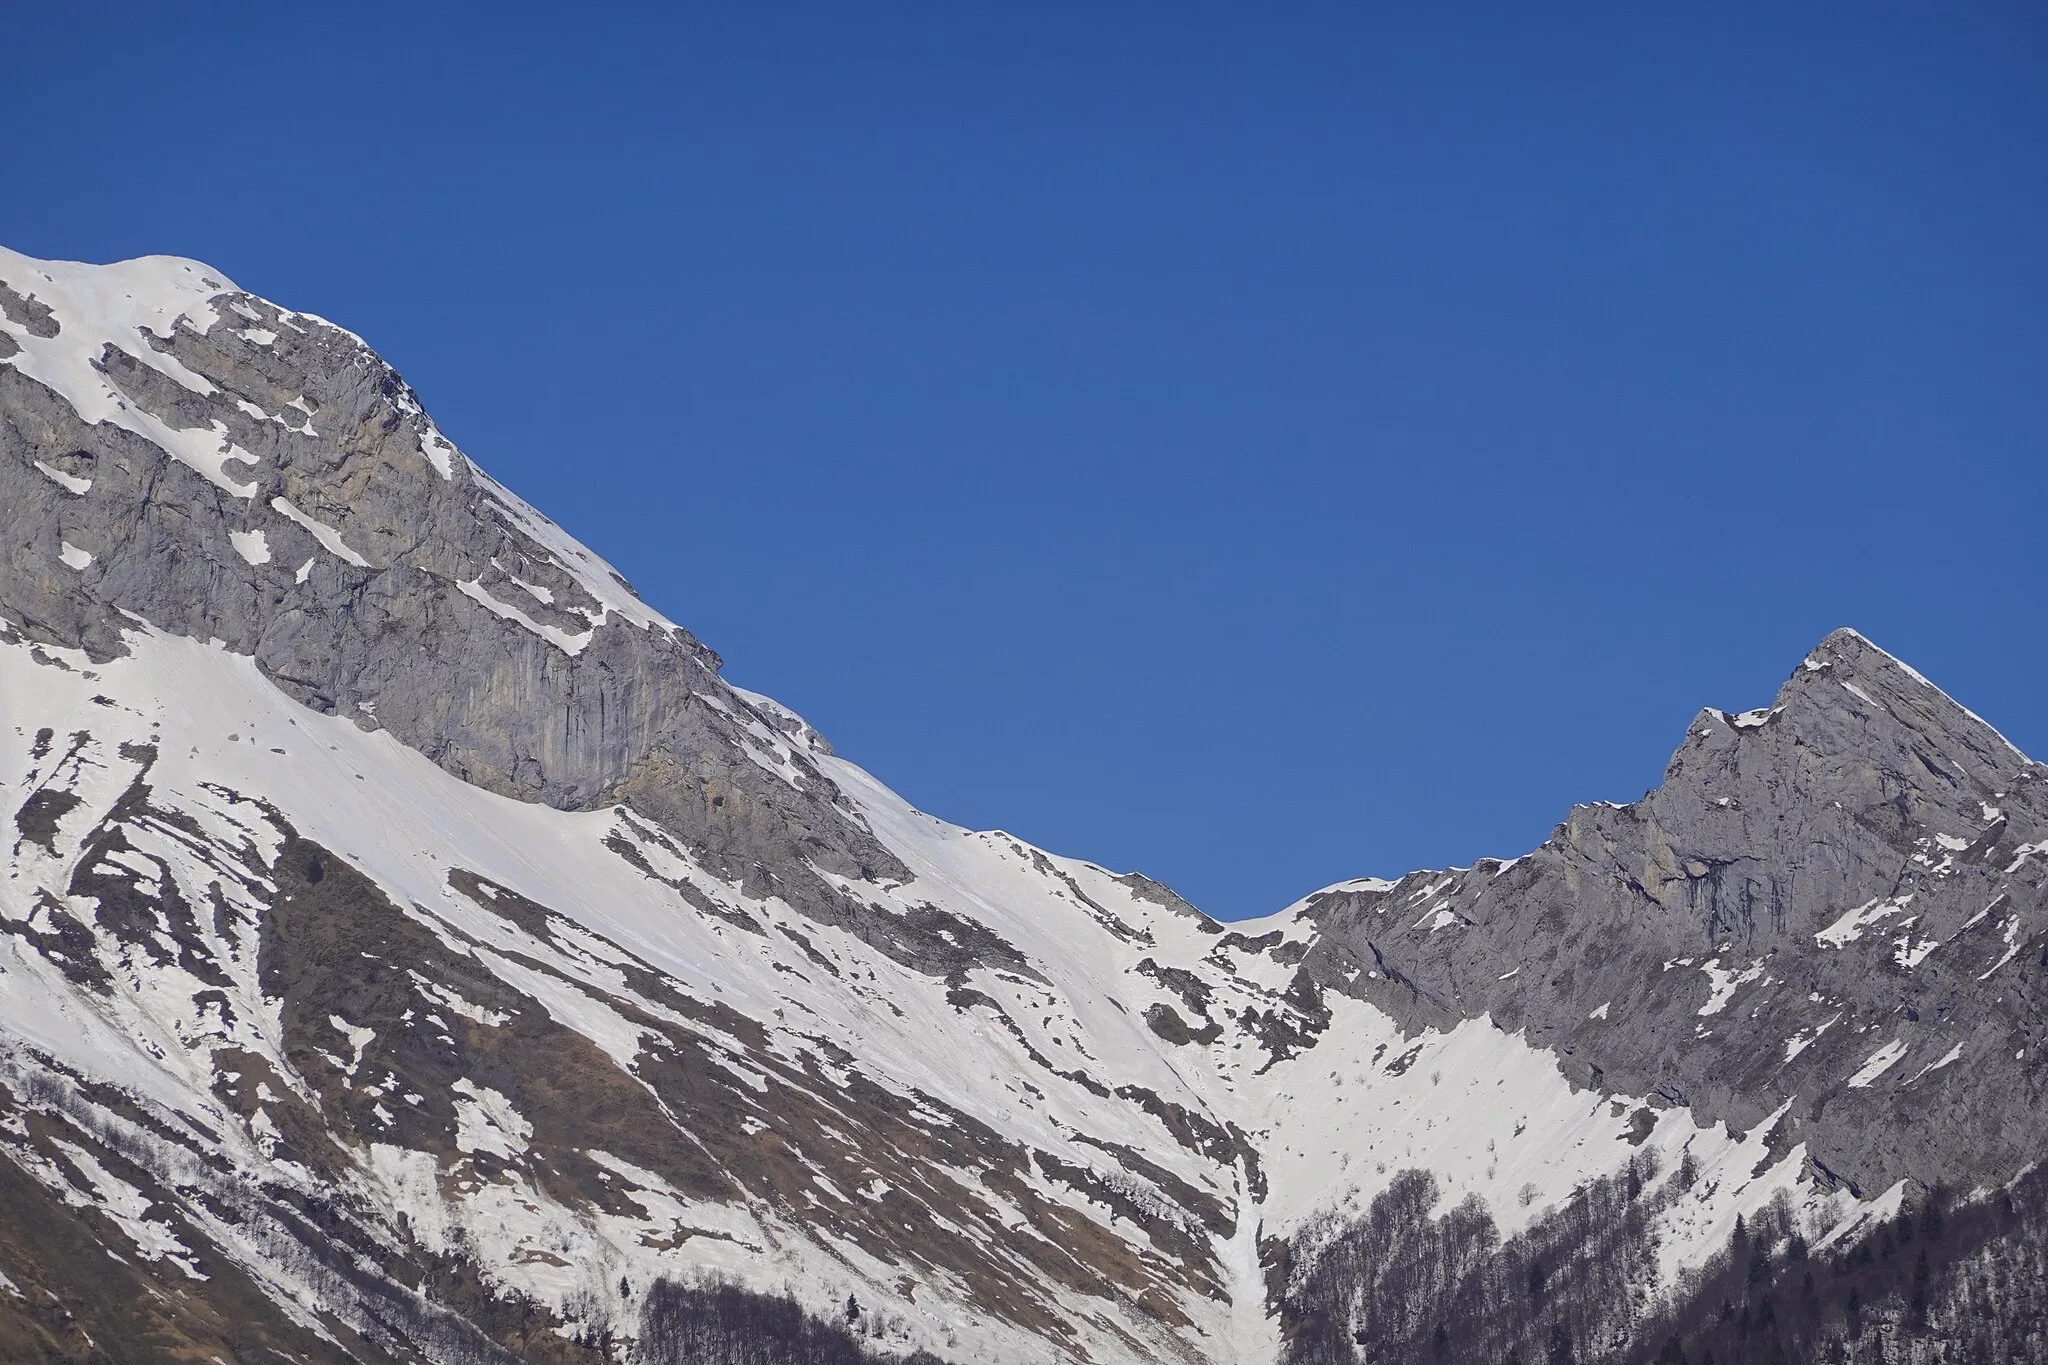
238	472
1846	886
411	949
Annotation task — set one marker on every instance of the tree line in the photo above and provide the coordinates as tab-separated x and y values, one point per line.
1944	1282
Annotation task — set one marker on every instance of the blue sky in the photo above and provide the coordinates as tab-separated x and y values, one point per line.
1254	448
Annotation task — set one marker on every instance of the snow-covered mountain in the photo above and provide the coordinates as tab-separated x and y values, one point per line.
414	950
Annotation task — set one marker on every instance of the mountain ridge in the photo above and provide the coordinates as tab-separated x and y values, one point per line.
395	878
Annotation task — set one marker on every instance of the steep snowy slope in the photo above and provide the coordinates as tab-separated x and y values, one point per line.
414	950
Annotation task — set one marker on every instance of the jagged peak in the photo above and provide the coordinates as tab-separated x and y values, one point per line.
1853	663
1845	668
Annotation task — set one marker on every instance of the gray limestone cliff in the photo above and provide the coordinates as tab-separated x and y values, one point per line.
372	571
1845	885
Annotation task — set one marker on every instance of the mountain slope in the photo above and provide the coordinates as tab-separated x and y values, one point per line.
414	950
1846	884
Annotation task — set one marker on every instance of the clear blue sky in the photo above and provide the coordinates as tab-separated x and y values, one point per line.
1258	445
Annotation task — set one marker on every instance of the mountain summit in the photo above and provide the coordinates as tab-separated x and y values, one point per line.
413	949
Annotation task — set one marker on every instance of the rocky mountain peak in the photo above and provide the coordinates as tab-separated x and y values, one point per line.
195	457
1771	821
1856	720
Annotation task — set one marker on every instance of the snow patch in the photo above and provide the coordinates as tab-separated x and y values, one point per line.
69	483
250	545
485	1121
2012	947
1722	984
328	537
1909	952
1851	925
1804	1039
1879	1062
1953	1054
130	1208
571	645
